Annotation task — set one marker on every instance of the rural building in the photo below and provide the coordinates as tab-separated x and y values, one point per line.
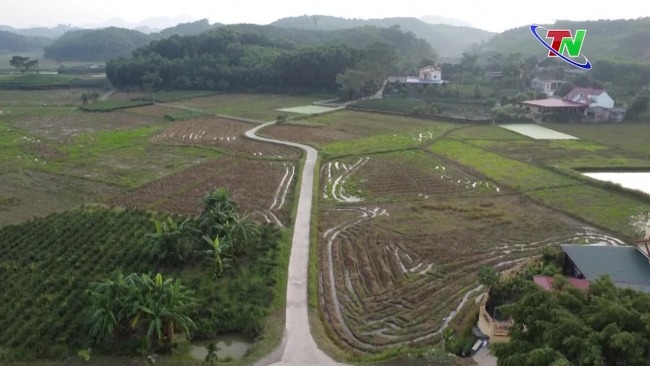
547	86
616	114
591	97
554	105
431	74
497	331
627	266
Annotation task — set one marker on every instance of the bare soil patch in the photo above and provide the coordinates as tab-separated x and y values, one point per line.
225	134
264	188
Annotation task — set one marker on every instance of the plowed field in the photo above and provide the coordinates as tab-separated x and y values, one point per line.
224	134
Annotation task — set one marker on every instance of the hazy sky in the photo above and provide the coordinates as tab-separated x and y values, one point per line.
493	15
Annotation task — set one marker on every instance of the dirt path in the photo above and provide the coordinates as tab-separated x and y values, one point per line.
107	95
298	346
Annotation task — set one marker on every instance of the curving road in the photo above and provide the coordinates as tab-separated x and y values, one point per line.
298	346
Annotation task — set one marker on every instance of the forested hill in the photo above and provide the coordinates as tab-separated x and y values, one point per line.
54	32
108	43
10	42
96	45
605	39
233	58
186	29
407	44
447	40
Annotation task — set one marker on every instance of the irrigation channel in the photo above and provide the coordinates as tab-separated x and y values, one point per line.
298	346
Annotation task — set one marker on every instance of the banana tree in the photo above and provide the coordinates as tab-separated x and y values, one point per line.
215	255
173	243
163	306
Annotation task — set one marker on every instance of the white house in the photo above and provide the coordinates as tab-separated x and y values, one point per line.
591	97
431	74
548	86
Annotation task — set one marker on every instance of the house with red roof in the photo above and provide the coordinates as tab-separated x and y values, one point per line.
594	98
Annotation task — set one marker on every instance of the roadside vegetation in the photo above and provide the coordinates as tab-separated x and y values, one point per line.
226	273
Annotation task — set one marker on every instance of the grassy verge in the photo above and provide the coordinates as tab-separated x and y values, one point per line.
176	95
112	105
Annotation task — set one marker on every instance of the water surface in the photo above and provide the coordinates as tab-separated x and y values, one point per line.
639	181
234	346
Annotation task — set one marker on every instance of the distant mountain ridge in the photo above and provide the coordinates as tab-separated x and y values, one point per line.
54	32
11	42
447	40
605	39
152	23
436	19
113	42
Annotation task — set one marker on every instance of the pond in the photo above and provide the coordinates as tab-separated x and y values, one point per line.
639	181
233	346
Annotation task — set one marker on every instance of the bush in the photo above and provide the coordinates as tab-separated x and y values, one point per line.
491	102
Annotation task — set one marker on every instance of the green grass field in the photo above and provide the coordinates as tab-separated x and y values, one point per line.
38	79
599	206
42	97
44	63
261	107
112	105
633	137
176	95
510	172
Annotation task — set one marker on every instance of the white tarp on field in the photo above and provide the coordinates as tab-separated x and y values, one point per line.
538	132
307	109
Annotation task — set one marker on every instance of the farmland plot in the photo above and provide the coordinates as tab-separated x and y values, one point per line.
264	188
403	175
63	122
391	272
344	126
261	107
224	134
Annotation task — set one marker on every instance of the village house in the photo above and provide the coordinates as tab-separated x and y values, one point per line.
600	105
546	86
431	74
626	266
591	97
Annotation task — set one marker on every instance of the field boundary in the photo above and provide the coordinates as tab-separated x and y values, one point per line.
435	117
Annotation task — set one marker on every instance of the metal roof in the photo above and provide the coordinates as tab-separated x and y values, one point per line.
625	265
553	103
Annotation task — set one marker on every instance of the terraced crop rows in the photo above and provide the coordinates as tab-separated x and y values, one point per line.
225	134
264	188
391	288
399	176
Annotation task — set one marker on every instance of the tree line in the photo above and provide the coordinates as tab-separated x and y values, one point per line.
225	59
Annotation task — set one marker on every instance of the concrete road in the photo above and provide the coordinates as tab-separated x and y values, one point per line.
298	346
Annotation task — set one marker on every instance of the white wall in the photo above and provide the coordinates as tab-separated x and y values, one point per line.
605	101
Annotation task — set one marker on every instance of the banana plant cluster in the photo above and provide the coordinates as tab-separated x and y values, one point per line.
139	305
219	235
